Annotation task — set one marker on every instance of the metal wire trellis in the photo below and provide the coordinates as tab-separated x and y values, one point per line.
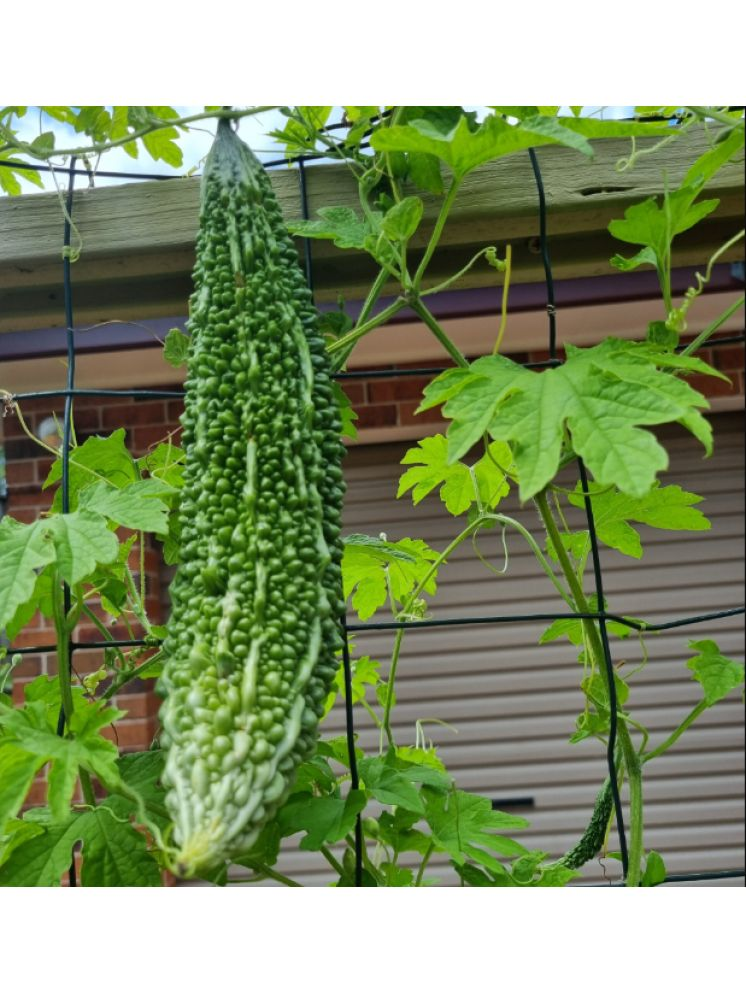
601	617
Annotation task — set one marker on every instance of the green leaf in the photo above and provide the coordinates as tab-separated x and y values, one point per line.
115	855
32	729
556	876
141	773
424	172
601	395
98	458
365	567
462	147
81	541
265	850
460	483
14	834
718	674
573	627
667	508
595	689
340	224
347	415
17	772
23	550
136	506
176	347
160	144
551	128
389	786
77	542
655	226
165	462
655	870
402	221
395	829
660	335
463	823
324	820
8	176
711	161
433	468
646	255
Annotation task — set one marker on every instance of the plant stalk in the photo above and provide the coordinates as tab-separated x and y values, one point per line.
631	759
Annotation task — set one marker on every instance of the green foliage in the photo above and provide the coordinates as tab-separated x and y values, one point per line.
661	508
30	741
371	568
115	854
176	348
247	624
485	482
717	674
601	396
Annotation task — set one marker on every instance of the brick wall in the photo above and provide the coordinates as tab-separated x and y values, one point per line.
381	403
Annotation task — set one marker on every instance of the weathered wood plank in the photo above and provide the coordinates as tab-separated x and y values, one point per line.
138	238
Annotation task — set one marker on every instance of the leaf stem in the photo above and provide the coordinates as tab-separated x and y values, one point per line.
157	125
125	676
93	617
269	872
437	232
425	860
504	306
452	279
432	323
367	326
667	743
705	334
332	860
631	759
373	294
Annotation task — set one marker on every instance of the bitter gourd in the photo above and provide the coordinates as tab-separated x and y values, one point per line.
257	596
593	838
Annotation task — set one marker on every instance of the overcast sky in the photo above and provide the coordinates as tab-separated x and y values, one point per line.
195	144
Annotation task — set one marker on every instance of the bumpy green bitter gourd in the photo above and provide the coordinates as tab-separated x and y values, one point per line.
257	597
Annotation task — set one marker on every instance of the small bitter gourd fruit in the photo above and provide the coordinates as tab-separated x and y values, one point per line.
257	596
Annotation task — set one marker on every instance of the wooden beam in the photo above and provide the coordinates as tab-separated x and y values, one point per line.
138	239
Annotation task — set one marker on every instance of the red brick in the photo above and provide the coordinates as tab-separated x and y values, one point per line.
43	466
32	637
355	391
712	387
132	734
139	706
407	414
150	413
729	358
30	666
24	515
20	473
21	448
37	794
174	410
401	389
87	419
18	689
376	416
147	436
27	499
152	560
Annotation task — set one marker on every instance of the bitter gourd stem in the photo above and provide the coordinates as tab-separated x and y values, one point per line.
631	759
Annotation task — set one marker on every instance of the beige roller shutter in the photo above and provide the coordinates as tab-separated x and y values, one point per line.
514	703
